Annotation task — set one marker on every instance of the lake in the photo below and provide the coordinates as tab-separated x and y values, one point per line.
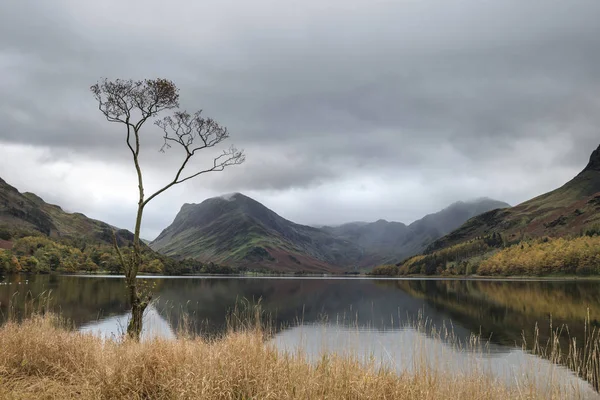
367	317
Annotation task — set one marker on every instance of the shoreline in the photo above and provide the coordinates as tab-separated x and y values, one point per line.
241	364
516	278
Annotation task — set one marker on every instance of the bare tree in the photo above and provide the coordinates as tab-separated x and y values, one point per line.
133	103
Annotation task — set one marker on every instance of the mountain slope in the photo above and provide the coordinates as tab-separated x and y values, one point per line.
237	230
376	238
568	210
384	241
26	212
434	226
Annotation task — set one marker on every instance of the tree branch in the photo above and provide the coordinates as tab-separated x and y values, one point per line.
232	157
183	128
128	136
172	183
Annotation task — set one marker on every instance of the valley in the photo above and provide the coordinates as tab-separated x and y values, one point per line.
237	230
236	234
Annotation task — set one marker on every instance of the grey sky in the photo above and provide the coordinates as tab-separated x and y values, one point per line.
348	110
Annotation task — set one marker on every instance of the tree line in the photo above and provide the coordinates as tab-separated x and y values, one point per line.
493	255
547	256
39	254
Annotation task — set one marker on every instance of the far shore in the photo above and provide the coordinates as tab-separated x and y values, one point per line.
106	274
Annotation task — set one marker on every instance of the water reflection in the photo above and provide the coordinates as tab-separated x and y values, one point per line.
338	314
155	326
505	311
406	349
499	310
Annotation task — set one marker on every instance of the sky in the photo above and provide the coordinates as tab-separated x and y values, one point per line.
346	110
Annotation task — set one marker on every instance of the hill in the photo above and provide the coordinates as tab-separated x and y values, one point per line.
569	210
556	233
28	213
383	242
37	237
237	230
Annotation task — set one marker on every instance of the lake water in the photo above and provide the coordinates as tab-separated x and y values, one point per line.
366	317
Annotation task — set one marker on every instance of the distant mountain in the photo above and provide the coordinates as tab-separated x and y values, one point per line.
237	230
379	241
568	210
27	212
384	241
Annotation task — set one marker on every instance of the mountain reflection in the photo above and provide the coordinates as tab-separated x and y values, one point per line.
322	311
499	310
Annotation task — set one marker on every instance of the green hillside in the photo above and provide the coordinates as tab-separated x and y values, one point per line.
28	213
37	237
552	234
237	230
569	210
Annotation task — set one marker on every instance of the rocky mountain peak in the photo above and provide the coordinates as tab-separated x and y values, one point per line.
594	164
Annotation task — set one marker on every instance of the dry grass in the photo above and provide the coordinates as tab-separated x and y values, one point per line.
41	359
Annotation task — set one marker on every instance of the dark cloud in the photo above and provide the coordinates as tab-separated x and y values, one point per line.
322	95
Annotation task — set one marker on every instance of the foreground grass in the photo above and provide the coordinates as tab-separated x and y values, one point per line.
40	359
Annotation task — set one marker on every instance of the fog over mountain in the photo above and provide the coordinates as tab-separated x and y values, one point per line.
347	110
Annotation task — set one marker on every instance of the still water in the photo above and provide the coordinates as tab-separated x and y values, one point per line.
365	317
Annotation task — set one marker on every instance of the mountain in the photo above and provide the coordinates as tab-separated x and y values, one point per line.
568	210
434	226
384	241
379	241
374	236
237	230
27	212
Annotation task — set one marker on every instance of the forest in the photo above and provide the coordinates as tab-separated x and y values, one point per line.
547	256
35	253
492	255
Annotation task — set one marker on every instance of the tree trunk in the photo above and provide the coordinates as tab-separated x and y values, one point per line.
134	328
138	305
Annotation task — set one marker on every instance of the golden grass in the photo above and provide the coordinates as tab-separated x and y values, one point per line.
41	359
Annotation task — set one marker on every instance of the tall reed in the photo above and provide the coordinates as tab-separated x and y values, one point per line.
42	357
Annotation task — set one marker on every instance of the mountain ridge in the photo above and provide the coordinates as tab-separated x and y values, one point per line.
30	213
566	210
236	229
401	240
241	230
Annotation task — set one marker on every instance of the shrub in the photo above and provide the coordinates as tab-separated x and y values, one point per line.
385	270
5	234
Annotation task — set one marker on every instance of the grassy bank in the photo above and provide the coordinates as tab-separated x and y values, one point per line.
41	359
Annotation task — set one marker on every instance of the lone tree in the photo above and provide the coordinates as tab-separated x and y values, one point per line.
133	104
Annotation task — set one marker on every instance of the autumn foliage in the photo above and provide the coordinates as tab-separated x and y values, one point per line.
579	256
492	256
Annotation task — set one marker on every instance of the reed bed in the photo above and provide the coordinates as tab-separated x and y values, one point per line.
42	357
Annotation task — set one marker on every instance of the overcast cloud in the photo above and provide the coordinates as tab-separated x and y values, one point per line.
347	110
